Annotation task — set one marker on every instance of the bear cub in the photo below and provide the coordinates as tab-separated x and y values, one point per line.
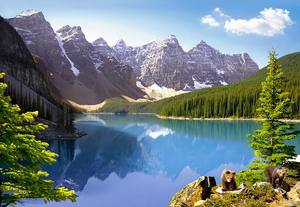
228	180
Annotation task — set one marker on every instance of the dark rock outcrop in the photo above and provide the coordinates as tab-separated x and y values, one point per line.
200	189
27	86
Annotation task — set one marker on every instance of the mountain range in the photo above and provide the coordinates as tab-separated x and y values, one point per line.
166	64
88	73
81	74
235	100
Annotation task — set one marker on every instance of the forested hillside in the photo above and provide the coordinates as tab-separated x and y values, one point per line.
238	100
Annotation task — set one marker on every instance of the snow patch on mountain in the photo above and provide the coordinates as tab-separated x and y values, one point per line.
224	83
27	12
198	85
155	87
220	72
61	45
23	30
156	92
243	58
68	33
187	87
98	65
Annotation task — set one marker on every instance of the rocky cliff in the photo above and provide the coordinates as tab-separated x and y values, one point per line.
28	86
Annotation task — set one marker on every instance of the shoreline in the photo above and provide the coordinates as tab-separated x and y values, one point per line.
54	132
220	119
194	119
112	113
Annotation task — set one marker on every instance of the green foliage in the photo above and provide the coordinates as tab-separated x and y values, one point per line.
22	156
249	177
254	197
274	104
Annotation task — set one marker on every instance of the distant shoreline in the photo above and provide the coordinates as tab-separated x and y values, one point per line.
194	119
224	119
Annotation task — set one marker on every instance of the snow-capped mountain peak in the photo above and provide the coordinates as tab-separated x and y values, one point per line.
28	12
67	33
171	39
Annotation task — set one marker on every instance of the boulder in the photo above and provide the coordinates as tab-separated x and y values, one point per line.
294	193
195	192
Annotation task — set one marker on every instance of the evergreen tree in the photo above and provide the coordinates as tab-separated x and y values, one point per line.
22	157
269	142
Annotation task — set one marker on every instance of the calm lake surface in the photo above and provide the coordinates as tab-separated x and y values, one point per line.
141	161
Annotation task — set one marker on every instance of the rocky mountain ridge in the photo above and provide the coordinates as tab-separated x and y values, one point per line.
165	63
81	74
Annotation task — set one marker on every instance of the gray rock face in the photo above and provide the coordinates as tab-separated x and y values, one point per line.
126	54
214	68
101	46
167	64
79	71
79	52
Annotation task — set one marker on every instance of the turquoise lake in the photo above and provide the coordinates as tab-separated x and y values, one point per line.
141	161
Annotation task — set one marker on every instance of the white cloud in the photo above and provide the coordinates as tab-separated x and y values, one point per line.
218	11
269	23
210	20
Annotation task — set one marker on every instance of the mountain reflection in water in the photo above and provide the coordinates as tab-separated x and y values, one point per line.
139	160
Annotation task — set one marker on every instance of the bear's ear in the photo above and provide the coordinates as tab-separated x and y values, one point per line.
233	173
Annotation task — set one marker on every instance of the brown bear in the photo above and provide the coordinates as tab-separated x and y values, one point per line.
275	175
228	180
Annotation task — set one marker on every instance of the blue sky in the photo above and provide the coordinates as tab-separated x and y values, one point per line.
231	26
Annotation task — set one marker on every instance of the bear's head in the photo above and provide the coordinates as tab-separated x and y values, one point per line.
281	172
229	175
